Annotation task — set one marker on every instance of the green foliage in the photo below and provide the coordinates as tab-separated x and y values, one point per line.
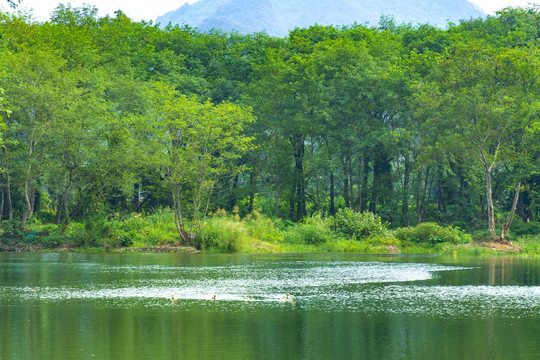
156	229
105	117
199	143
431	234
529	244
46	216
222	234
525	228
359	225
12	229
262	228
347	246
313	231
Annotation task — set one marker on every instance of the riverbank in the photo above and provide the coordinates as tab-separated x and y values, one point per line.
475	248
348	232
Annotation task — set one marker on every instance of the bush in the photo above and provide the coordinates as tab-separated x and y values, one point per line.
529	244
262	228
519	227
222	234
346	245
45	216
13	229
359	225
431	234
314	231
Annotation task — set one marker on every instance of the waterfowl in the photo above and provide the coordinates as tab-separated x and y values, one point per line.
288	298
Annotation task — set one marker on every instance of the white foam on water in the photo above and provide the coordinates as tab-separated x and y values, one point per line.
371	287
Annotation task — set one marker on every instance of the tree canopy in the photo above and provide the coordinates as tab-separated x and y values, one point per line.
104	115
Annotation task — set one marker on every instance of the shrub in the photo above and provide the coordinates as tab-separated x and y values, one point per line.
45	216
161	216
346	245
359	225
12	228
432	234
519	227
262	228
530	244
314	231
222	234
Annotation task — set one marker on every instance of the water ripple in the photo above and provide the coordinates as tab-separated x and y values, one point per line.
368	287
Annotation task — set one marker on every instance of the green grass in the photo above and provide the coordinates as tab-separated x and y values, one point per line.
255	233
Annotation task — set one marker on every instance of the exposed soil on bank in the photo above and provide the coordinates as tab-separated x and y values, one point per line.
503	246
162	249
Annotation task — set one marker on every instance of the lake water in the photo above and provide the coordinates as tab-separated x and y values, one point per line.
120	306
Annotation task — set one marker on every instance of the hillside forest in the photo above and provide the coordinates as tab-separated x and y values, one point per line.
104	117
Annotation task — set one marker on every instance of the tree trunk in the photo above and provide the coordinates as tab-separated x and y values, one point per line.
178	216
2	197
252	180
382	180
317	194
405	194
34	199
136	201
276	198
58	210
66	209
489	200
8	188
422	196
28	203
67	219
232	197
365	179
360	165
506	226
298	150
332	195
351	183
440	191
27	185
346	191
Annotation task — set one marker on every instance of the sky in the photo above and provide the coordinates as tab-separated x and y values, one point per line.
148	10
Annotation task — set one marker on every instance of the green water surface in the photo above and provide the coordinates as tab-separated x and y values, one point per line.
120	306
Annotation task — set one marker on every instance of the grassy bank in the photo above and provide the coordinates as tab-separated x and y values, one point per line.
227	233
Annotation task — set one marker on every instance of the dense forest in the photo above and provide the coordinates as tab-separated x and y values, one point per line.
104	116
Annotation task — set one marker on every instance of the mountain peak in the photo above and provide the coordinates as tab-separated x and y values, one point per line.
277	17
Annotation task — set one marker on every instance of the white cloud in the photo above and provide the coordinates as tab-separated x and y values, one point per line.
142	10
490	6
137	10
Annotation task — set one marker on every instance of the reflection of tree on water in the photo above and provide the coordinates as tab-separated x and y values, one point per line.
500	271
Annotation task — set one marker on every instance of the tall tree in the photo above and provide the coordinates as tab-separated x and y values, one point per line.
481	100
200	143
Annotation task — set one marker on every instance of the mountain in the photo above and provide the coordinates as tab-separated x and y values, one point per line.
276	17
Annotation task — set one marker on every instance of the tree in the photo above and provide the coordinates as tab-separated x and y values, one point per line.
13	3
479	101
200	142
40	89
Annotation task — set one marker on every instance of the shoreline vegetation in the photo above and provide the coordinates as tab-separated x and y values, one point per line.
394	138
255	233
